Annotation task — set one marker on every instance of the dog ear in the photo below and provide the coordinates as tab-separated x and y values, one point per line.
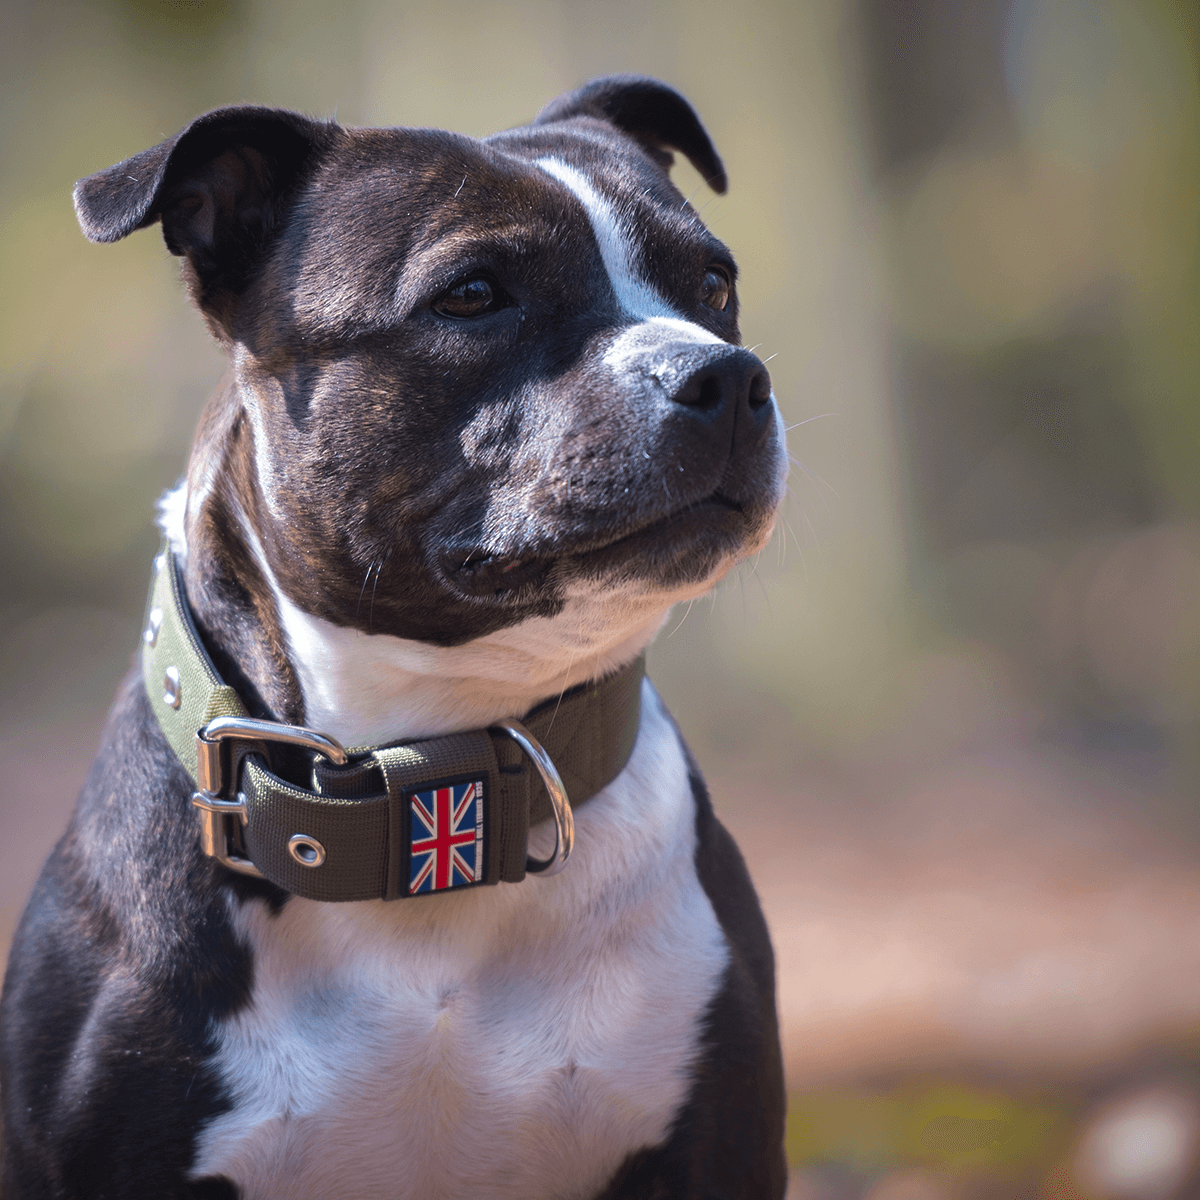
219	186
652	113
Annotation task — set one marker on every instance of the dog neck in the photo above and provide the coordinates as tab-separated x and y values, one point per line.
368	689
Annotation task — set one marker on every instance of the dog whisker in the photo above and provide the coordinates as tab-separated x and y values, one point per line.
362	590
371	610
816	479
686	611
797	424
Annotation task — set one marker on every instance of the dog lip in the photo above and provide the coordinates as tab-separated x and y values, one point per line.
483	574
714	500
719	497
476	560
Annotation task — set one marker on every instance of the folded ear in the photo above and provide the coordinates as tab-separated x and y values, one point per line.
220	187
653	114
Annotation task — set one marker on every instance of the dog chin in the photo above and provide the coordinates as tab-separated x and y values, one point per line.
633	590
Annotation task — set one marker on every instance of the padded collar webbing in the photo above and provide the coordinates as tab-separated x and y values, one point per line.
363	814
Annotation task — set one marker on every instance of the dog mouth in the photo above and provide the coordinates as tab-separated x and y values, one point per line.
487	574
482	574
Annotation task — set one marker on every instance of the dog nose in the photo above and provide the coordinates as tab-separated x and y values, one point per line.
731	383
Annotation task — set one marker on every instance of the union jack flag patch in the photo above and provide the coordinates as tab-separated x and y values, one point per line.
447	837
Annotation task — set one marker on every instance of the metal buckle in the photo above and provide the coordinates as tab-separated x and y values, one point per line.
564	821
212	800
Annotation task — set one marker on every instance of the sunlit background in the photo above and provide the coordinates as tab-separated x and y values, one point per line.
951	711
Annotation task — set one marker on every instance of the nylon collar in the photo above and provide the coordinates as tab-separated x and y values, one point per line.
394	821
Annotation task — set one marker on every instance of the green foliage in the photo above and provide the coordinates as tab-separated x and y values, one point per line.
951	1127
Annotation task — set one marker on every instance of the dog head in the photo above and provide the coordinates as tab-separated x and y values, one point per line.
473	382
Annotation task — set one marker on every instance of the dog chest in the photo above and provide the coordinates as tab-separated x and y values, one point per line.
514	1040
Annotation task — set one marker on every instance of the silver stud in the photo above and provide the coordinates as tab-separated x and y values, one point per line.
150	635
172	687
307	851
160	561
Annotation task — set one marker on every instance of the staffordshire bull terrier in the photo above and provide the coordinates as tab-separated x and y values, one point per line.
393	877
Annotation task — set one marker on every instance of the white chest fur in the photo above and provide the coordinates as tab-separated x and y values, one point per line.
509	1041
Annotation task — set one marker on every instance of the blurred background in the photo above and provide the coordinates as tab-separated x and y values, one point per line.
951	711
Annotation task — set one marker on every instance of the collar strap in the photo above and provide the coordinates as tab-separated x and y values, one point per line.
384	822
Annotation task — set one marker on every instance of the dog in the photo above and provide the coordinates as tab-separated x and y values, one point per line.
393	877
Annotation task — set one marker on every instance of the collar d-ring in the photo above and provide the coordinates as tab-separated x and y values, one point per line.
564	821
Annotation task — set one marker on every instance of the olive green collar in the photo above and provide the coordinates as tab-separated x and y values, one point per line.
384	822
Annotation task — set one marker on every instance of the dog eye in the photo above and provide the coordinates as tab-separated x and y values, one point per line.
716	289
472	298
